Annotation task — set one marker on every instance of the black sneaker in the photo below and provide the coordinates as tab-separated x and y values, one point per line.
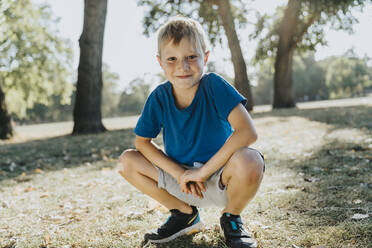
235	234
176	225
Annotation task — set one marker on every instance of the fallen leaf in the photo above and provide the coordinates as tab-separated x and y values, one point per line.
45	194
359	216
47	239
318	246
23	174
311	179
39	171
4	204
290	186
106	169
29	189
15	192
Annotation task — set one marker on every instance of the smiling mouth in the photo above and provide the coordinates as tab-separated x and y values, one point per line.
185	76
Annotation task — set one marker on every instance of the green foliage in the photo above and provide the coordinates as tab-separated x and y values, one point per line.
263	92
347	76
309	78
134	97
335	77
314	15
35	62
110	95
205	11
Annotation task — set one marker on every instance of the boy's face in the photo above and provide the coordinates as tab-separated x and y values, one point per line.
183	64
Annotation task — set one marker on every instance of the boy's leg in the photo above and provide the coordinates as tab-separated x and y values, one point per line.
242	176
184	219
140	172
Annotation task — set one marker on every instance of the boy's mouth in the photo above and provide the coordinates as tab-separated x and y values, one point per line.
184	76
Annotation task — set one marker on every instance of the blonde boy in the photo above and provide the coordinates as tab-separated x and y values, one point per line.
206	134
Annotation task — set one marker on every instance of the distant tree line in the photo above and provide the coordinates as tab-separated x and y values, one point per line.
331	78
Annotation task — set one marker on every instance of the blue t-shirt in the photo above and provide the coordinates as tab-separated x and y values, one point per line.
196	133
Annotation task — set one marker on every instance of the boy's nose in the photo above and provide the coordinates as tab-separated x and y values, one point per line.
184	65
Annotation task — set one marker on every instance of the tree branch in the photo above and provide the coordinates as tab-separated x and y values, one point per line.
304	30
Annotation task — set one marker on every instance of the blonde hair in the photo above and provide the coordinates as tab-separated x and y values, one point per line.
179	27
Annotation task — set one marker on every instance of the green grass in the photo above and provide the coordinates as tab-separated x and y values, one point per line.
64	191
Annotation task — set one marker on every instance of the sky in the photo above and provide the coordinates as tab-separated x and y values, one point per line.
131	54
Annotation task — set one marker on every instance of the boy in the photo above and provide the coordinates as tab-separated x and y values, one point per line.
206	134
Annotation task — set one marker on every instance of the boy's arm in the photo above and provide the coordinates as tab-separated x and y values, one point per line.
156	156
244	135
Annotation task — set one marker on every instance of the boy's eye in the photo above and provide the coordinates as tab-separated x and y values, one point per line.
191	57
171	59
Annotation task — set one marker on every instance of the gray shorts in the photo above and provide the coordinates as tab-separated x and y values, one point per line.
215	194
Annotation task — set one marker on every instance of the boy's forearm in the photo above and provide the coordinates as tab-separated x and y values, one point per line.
239	139
156	156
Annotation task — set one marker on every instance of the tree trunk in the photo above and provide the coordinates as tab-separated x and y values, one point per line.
6	129
283	83
240	68
87	109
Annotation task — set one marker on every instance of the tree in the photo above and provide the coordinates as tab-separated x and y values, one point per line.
213	14
35	63
6	130
134	97
110	96
309	78
299	27
346	76
87	109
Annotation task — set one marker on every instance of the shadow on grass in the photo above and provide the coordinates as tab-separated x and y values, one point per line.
334	184
341	117
188	242
62	152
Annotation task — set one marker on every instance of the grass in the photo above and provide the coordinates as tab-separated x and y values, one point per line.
64	191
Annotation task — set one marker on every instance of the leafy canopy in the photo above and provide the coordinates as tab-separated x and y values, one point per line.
35	63
157	12
313	16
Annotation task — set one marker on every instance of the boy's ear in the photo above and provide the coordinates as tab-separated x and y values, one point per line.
159	60
206	56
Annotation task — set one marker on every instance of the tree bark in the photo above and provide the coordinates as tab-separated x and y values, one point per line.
283	83
6	129
87	109
240	69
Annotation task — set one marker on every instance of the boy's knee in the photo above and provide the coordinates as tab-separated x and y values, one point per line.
248	164
126	160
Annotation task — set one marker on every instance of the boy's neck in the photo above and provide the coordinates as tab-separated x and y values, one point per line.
184	97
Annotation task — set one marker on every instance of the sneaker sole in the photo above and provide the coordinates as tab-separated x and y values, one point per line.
189	230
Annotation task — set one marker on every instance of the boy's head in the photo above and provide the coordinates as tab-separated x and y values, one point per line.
182	51
178	28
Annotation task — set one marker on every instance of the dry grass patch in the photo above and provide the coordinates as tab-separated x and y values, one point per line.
65	192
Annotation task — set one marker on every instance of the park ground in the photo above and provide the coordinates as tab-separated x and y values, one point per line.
58	190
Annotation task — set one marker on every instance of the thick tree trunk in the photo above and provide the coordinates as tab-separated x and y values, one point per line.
87	110
283	83
240	68
6	129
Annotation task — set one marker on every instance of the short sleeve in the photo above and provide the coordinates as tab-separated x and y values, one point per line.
225	96
150	122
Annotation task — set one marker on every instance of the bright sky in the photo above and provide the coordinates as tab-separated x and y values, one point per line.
131	54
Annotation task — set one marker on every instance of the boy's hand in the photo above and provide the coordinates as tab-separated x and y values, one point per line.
192	182
195	189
